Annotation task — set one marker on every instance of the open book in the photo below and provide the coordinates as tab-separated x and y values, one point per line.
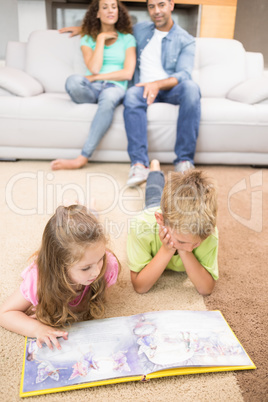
138	347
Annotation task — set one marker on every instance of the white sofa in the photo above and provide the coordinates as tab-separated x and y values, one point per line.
39	121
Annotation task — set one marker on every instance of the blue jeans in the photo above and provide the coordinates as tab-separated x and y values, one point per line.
106	94
154	188
187	95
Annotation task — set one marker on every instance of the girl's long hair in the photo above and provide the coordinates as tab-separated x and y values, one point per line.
92	26
66	236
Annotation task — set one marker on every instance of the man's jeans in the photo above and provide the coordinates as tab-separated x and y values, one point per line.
154	188
106	94
187	95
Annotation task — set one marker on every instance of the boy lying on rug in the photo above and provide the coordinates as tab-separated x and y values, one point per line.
177	231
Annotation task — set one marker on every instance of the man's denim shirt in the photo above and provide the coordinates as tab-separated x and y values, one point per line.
178	50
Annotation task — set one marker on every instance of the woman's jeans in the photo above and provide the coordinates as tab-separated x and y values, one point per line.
154	188
187	95
107	95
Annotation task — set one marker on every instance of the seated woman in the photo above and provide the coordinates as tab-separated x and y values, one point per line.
110	56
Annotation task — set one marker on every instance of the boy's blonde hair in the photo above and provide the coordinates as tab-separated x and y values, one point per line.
66	236
189	203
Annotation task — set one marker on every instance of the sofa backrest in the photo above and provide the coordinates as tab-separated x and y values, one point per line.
220	64
51	57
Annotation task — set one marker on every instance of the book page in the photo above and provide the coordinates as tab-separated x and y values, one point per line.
169	339
122	347
95	350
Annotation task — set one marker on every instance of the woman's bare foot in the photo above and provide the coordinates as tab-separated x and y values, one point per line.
155	165
77	163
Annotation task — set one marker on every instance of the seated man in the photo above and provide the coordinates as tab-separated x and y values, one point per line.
165	58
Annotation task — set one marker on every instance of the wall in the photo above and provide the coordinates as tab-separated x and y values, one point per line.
31	16
9	29
19	17
251	26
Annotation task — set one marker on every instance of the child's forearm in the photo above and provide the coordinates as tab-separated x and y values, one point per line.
13	318
200	277
148	276
19	322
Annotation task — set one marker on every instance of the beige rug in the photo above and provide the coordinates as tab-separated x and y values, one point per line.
31	192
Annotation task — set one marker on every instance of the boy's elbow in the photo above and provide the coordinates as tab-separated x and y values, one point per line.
139	283
139	289
206	290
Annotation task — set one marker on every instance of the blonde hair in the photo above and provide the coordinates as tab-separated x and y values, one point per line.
66	236
189	203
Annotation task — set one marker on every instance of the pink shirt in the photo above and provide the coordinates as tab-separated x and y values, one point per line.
28	286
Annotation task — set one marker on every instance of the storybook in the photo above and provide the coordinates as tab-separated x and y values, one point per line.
134	348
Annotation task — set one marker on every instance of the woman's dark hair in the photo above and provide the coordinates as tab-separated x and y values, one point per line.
92	26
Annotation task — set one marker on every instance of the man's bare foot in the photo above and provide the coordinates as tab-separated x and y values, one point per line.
77	163
155	165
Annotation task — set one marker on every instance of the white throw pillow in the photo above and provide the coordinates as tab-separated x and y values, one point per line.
251	91
19	83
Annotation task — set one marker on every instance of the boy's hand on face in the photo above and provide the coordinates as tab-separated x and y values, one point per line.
184	248
165	238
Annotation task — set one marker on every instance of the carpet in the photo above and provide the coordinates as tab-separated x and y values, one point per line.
31	192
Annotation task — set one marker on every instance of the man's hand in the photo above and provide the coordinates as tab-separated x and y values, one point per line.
150	92
74	31
49	335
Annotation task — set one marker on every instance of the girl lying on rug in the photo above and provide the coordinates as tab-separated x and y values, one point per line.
67	280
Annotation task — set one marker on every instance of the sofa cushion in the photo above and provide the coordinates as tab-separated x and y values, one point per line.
52	57
220	64
251	91
19	83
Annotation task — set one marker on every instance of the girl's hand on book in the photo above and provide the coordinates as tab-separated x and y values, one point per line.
49	335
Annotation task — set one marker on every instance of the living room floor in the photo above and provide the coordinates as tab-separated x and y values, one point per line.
32	192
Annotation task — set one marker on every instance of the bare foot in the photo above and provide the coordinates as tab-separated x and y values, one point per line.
77	163
155	165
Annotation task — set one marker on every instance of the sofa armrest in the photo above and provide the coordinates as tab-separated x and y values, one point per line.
19	83
252	91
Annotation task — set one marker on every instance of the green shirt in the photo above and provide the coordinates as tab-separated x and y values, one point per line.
113	55
144	242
